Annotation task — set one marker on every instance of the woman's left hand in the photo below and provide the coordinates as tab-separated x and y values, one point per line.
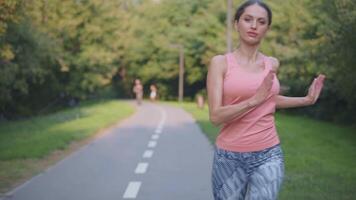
315	89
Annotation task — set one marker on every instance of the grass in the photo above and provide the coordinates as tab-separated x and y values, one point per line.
26	145
320	157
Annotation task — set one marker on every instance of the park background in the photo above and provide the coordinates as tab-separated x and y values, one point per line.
61	60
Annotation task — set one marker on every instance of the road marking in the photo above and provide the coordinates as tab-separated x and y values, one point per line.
152	144
148	154
155	137
133	187
132	190
162	121
141	168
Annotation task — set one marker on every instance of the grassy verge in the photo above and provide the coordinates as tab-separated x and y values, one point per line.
320	157
28	146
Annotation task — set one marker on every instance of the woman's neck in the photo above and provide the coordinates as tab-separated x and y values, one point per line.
248	52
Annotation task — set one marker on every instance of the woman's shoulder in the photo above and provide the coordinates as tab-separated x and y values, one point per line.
218	59
274	62
218	62
218	65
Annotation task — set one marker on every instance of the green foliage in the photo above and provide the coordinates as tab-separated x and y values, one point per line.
85	32
8	13
329	43
80	47
54	49
32	67
155	28
57	130
337	52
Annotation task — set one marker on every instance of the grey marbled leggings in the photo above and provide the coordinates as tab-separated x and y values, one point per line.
247	175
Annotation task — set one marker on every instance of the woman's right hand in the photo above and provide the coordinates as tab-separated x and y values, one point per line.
264	90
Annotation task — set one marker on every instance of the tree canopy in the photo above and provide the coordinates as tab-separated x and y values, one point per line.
52	50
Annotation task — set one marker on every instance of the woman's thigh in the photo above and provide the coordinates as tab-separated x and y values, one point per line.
266	180
229	179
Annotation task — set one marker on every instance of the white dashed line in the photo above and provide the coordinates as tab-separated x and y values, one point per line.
152	144
141	168
133	187
148	154
155	137
163	119
132	190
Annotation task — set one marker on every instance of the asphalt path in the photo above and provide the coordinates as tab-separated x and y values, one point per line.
159	153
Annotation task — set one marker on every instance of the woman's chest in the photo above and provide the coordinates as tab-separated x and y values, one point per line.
244	85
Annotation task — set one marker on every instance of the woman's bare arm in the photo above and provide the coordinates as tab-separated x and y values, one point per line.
312	96
291	102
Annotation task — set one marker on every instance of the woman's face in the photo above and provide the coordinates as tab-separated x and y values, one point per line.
253	24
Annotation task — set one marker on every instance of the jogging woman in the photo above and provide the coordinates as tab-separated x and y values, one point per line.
243	93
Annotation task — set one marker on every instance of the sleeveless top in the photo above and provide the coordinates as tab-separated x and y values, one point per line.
254	130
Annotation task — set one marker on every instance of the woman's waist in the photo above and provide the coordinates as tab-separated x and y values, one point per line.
247	140
245	127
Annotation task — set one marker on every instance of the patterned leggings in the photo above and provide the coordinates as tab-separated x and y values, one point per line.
247	176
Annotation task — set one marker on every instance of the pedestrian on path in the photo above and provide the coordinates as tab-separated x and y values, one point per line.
153	93
243	93
138	90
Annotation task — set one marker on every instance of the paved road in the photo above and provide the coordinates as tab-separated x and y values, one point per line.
159	153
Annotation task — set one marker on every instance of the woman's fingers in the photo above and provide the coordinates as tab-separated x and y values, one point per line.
265	87
316	87
319	85
312	91
268	80
320	82
270	77
312	88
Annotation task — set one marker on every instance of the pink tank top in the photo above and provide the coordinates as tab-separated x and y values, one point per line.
254	130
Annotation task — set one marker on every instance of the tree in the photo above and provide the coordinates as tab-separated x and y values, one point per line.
336	29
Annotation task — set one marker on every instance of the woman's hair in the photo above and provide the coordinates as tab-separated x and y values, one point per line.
248	3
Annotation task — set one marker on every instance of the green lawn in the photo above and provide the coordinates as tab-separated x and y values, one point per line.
24	143
320	157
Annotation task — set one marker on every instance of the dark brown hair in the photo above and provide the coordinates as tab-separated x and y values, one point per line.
241	9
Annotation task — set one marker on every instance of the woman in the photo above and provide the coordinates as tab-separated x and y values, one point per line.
138	90
243	92
153	93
